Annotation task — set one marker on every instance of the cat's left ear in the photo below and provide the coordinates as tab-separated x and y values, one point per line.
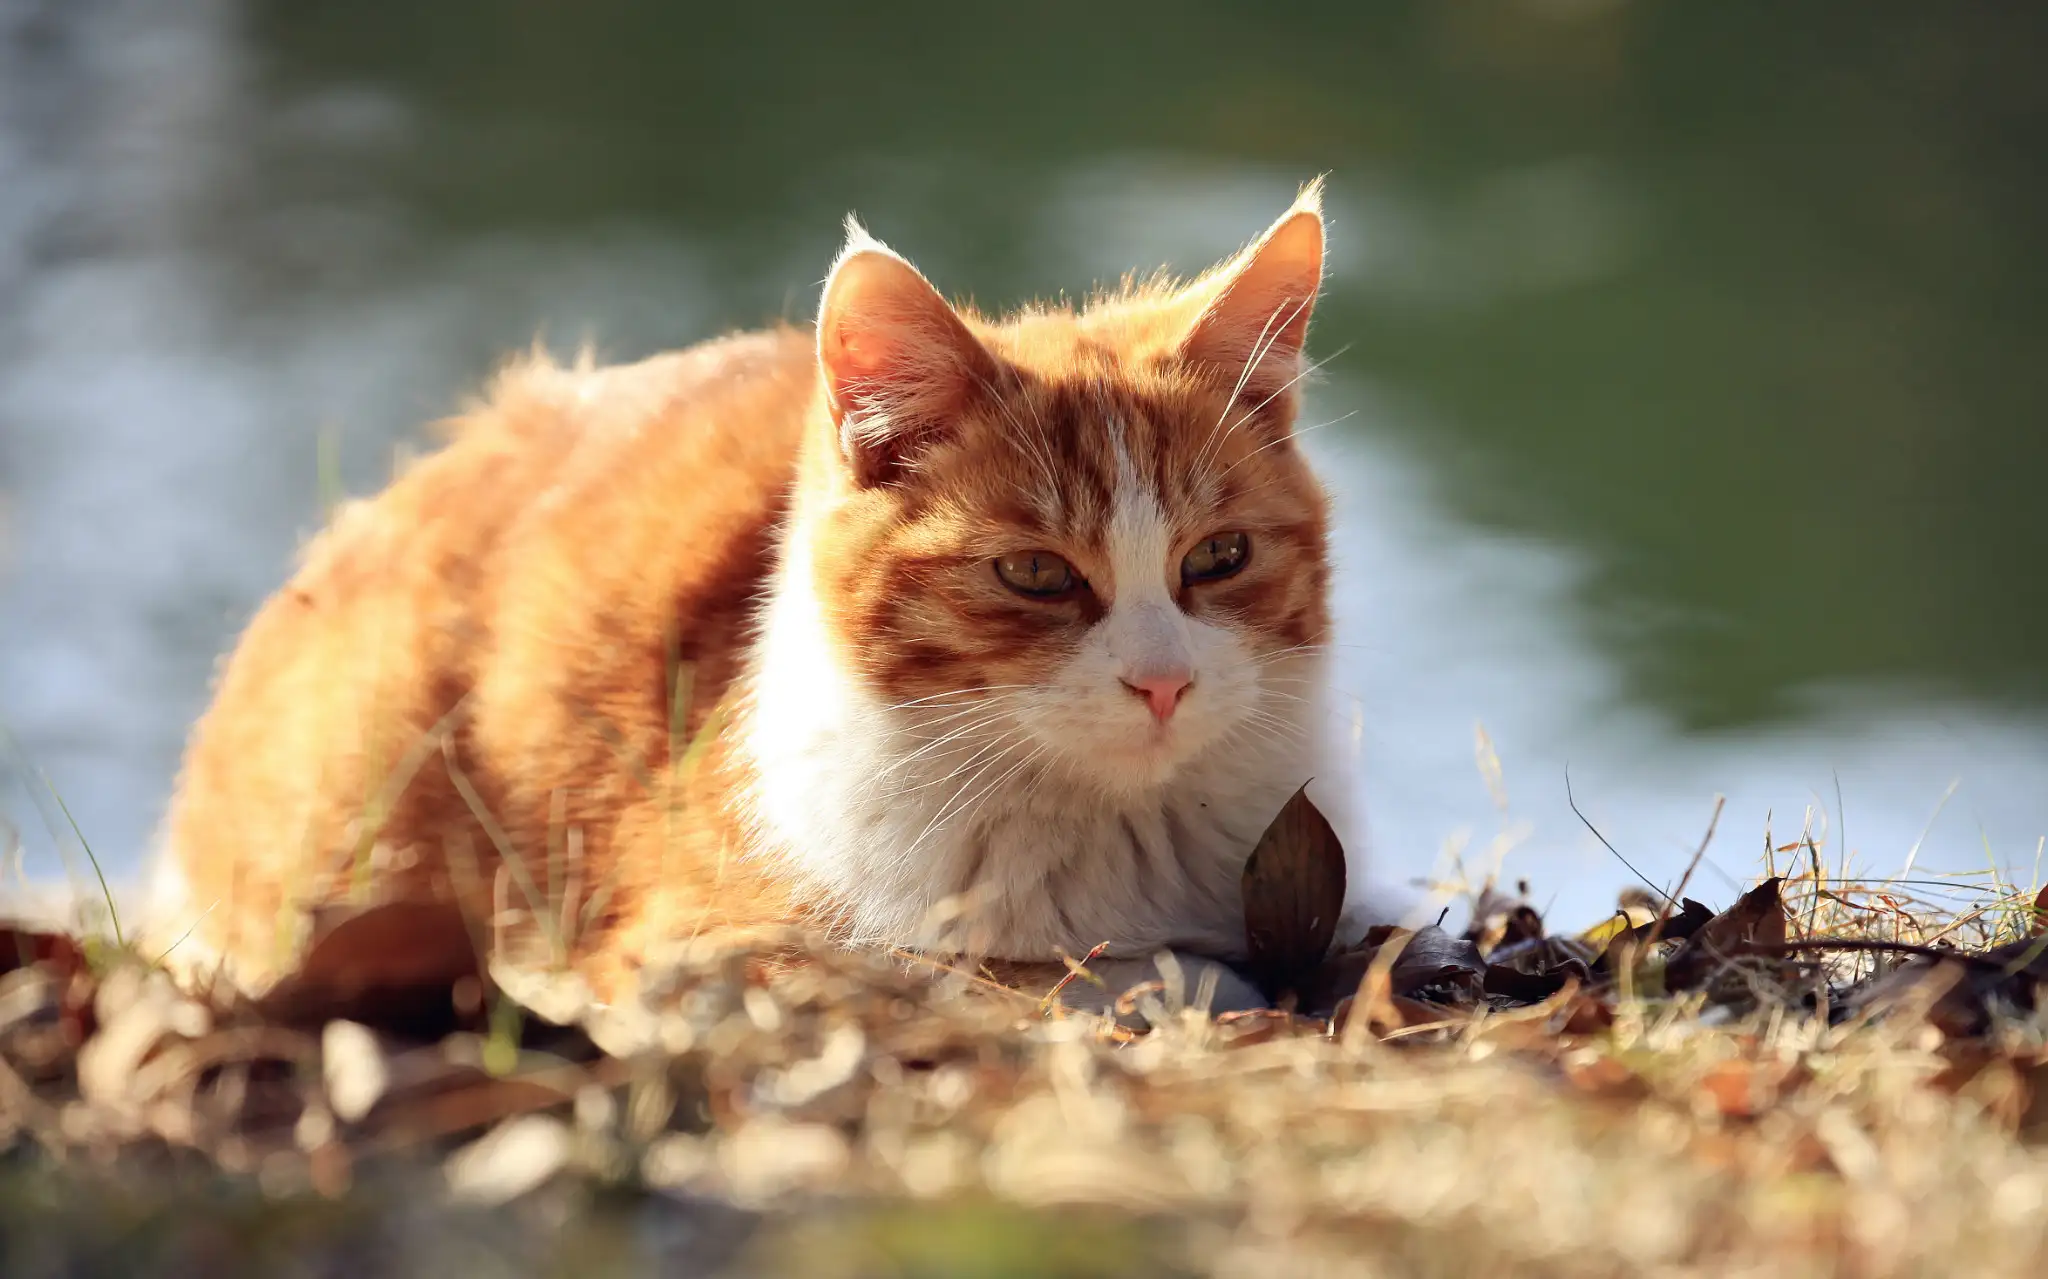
1255	308
898	363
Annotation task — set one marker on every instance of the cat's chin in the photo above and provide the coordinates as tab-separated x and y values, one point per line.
1138	763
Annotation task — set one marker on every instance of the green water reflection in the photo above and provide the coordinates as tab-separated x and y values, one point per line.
1745	300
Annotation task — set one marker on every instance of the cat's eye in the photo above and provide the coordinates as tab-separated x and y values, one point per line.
1215	557
1038	575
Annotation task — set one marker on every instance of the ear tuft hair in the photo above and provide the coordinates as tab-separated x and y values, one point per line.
897	361
1255	307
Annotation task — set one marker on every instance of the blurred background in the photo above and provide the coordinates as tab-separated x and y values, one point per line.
1684	407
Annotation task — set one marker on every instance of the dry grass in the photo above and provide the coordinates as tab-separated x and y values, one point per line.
870	1116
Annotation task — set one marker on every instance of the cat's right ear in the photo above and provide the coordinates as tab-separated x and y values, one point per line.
898	363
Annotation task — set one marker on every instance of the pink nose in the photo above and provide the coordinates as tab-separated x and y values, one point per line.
1161	692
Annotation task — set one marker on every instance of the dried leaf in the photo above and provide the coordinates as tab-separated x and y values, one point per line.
1293	887
1517	985
1624	946
1431	958
1743	1089
1387	1013
461	1098
1585	1014
2006	1085
1537	955
1604	1076
2040	913
393	967
22	947
1245	1027
1503	919
2026	958
1429	964
55	964
1939	992
1757	919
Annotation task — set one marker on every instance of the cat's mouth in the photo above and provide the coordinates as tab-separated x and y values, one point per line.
1156	746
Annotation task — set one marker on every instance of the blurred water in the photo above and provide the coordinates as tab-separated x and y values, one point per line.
1658	463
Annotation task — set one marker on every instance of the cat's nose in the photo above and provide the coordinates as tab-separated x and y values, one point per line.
1161	692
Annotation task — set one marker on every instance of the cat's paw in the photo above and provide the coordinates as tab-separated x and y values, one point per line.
1163	984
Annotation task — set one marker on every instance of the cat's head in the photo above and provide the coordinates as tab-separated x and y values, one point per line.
1086	535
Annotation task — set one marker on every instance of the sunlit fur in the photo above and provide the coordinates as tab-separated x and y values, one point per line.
888	742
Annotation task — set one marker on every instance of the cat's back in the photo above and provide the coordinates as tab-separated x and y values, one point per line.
583	527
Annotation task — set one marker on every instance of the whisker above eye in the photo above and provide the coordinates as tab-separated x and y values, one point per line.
1294	434
1326	646
1305	370
1262	345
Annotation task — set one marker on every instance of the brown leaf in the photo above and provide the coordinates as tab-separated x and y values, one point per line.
1242	1028
1293	887
1743	1089
467	1100
1603	1076
1502	920
2005	1085
2040	913
63	963
1386	1013
1521	986
1428	963
21	947
1757	919
1944	993
1586	1014
1625	945
1433	959
1535	968
394	967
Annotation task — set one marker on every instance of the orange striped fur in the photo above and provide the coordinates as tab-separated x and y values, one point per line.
719	640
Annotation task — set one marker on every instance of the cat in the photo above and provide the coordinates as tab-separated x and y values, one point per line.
995	636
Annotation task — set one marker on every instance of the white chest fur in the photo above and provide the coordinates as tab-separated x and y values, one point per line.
986	845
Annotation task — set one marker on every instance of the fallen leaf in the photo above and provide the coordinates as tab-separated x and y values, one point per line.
1756	920
1603	1076
1586	1014
1743	1089
2003	1084
1427	963
1385	1013
1243	1028
1432	958
1293	886
1939	992
1499	919
22	947
393	967
1625	945
1525	987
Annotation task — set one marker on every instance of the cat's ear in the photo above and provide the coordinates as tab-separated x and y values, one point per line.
898	363
1254	308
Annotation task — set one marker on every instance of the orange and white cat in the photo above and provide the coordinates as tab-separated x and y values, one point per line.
1003	636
